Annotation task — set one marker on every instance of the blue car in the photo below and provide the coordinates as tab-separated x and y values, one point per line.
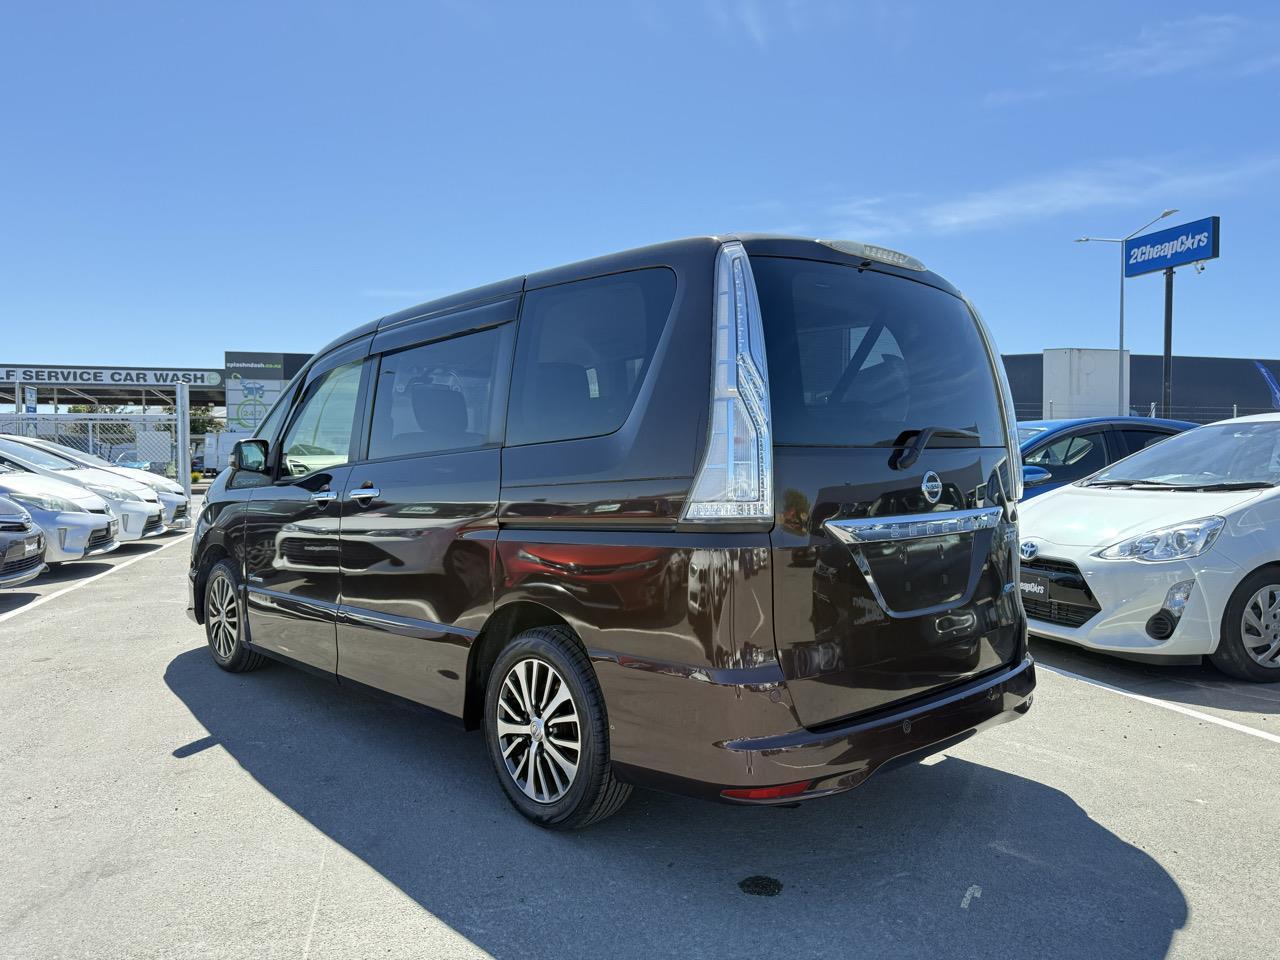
1055	452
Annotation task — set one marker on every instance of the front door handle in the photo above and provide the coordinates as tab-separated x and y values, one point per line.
364	495
322	498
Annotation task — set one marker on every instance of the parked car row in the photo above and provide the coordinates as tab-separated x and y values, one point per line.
59	505
1169	552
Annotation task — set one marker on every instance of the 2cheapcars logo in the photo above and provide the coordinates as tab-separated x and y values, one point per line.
1157	251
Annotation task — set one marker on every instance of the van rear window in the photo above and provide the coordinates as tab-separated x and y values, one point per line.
857	357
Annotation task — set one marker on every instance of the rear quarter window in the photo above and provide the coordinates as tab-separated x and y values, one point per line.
857	357
582	351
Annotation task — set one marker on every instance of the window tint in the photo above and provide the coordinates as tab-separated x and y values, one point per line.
856	358
1072	457
582	352
1137	439
319	438
437	396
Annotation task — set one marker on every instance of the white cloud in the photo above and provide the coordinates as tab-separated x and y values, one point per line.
1117	185
1169	47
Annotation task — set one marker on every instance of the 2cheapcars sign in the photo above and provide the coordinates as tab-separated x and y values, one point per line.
56	376
1174	247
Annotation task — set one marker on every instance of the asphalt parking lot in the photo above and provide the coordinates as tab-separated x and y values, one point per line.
153	806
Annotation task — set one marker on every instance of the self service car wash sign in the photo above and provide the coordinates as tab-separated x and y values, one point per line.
1174	247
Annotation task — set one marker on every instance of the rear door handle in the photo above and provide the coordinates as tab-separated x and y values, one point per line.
322	498
364	495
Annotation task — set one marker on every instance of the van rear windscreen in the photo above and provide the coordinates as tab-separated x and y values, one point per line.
857	357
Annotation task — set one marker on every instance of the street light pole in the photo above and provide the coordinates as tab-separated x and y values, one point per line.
1121	406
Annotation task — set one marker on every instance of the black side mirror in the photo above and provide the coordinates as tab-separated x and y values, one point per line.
250	455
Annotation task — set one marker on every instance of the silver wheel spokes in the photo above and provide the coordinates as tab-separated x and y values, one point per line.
223	616
1260	626
538	730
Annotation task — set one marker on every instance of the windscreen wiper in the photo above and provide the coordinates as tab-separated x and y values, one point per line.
911	443
1223	485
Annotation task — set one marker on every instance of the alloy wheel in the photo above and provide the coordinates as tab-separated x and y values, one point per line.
1260	626
223	617
539	733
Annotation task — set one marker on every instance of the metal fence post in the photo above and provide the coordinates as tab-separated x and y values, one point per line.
1235	410
183	437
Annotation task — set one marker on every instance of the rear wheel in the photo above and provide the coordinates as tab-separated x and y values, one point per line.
548	733
1250	644
224	621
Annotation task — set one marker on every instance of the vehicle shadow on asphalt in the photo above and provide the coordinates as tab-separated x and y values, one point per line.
953	859
1190	685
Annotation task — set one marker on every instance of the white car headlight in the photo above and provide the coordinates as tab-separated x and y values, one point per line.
1178	542
41	501
114	494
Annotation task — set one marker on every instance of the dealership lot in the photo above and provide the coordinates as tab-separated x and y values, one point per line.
154	806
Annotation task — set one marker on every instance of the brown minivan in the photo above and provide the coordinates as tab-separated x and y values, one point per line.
729	516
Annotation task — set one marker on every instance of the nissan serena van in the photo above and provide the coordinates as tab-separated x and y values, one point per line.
729	516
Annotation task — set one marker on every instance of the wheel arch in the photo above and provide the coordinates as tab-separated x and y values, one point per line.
1222	618
507	622
213	553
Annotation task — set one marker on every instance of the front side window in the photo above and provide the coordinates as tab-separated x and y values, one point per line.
856	357
320	436
1140	439
582	352
1071	457
437	396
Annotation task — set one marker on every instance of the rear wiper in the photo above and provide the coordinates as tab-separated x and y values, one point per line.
911	443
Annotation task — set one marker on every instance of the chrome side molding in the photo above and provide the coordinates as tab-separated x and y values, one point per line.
914	526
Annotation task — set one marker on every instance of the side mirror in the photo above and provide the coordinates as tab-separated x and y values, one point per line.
1035	476
250	455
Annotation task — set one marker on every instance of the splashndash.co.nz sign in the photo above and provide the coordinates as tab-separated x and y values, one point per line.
1174	247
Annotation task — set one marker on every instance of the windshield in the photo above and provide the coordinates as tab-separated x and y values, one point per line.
1026	433
72	454
1228	453
26	454
856	358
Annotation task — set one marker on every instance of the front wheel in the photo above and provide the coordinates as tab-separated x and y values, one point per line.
548	733
224	621
1249	647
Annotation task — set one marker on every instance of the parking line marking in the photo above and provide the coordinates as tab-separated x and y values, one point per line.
88	580
1175	707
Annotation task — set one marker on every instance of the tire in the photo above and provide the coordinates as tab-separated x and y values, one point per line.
541	679
1251	622
224	621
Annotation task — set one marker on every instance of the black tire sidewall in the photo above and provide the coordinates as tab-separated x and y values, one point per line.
545	644
1231	656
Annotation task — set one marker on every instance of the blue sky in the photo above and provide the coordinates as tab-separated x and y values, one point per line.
177	179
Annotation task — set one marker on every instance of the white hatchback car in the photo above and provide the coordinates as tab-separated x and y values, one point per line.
1173	552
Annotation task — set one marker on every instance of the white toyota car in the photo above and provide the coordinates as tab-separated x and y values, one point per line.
176	513
135	505
1170	554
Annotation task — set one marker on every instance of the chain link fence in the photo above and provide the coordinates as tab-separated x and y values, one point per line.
1195	413
143	441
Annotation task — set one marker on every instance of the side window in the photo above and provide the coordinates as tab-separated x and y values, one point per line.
437	396
1072	457
582	352
1137	439
320	435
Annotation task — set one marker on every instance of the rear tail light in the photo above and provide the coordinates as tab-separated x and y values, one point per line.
767	793
735	480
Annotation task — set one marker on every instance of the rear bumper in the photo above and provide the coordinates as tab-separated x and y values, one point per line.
839	758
